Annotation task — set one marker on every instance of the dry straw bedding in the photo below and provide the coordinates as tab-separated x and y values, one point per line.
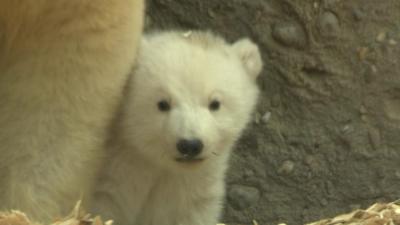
377	214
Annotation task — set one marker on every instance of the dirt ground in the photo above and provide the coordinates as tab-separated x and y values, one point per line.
326	135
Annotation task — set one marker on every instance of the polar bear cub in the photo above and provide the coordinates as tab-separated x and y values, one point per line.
190	97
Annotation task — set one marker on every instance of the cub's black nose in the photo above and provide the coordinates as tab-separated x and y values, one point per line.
189	148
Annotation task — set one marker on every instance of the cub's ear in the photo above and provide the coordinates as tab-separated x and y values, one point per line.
250	56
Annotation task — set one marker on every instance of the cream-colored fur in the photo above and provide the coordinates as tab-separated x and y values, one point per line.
63	65
146	181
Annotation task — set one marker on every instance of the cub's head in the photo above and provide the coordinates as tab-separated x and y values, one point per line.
190	96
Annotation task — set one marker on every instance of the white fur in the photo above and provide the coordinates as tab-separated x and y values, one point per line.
63	65
142	183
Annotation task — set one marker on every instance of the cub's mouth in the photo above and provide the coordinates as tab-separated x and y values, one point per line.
189	160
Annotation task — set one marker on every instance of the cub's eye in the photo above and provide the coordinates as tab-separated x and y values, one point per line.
214	105
163	106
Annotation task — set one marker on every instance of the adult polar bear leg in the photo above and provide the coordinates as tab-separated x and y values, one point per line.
63	65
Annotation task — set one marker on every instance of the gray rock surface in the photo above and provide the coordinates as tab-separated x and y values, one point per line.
331	83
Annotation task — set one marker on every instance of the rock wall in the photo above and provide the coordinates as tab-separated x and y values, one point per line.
326	135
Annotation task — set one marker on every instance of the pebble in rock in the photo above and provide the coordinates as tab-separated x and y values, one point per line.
329	23
242	197
287	167
266	117
397	174
289	34
358	14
